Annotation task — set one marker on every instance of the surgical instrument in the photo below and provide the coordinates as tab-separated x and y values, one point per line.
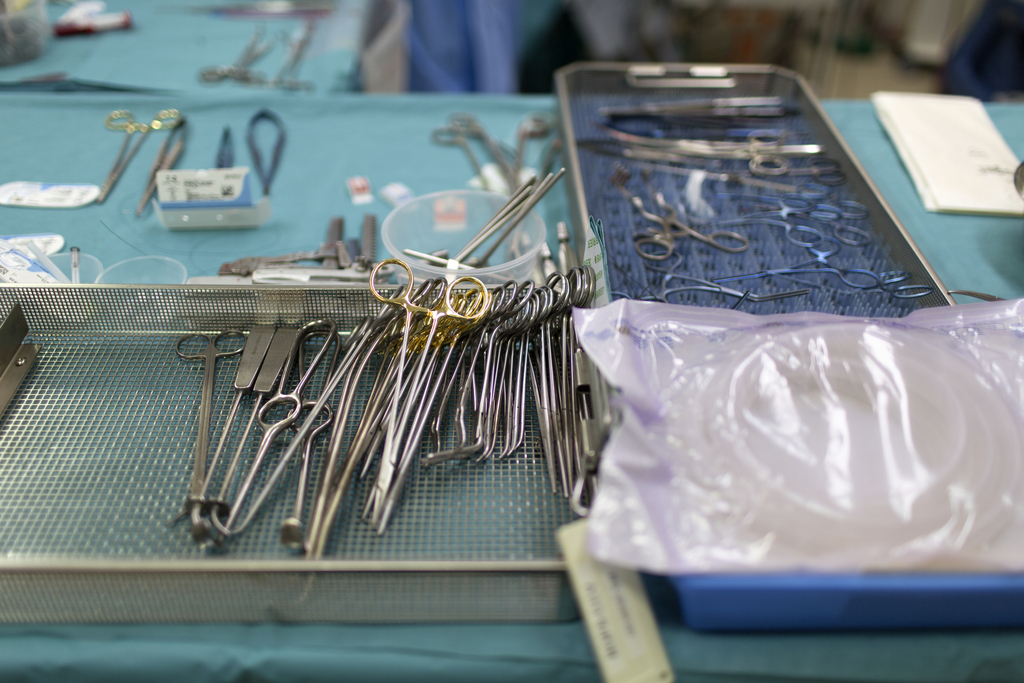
825	171
208	354
657	159
266	381
671	227
287	77
854	278
335	235
470	127
265	174
437	260
716	149
567	257
719	106
448	316
451	136
76	270
368	243
802	207
225	150
253	352
494	224
535	125
164	160
288	407
240	70
506	229
701	285
326	252
122	119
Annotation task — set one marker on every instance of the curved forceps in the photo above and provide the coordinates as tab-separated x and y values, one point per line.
383	497
824	170
272	429
508	300
122	119
209	355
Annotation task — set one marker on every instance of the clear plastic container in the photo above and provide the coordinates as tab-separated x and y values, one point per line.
24	30
447	221
89	267
145	270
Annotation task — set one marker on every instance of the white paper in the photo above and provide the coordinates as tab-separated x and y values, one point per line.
957	159
48	195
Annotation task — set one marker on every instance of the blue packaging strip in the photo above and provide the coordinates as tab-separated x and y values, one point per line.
789	602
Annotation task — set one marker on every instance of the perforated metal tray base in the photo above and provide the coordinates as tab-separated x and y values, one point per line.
96	455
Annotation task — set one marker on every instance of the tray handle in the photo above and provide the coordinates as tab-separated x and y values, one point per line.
700	76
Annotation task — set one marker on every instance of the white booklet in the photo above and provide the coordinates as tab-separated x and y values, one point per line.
958	160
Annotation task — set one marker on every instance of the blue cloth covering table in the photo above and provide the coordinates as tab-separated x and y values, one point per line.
61	138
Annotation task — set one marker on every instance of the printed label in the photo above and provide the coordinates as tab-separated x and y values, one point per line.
617	614
449	214
48	195
216	186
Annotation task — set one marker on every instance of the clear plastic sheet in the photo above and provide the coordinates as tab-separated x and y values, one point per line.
809	440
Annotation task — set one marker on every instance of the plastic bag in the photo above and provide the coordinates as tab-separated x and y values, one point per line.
809	440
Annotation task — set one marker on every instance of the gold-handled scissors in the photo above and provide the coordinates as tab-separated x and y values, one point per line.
453	309
122	119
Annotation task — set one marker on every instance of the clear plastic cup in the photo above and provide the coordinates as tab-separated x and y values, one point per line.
145	270
89	267
447	221
23	34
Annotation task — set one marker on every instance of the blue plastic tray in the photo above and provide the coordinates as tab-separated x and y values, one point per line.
787	602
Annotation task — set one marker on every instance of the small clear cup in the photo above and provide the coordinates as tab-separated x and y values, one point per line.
145	270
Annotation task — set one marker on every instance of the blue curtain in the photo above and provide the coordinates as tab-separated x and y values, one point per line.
463	46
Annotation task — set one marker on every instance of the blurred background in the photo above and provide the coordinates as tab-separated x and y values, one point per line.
846	48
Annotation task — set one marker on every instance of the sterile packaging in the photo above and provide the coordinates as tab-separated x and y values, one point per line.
809	441
18	265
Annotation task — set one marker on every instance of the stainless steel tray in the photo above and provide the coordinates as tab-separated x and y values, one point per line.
97	447
584	87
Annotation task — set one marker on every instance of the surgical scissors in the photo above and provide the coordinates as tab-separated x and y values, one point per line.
209	354
824	170
122	119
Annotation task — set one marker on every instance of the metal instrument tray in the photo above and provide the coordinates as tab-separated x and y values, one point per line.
97	449
584	88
